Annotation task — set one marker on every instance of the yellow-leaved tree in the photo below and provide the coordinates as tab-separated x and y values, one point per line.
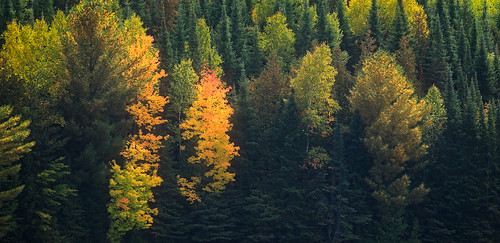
313	84
395	120
207	122
131	183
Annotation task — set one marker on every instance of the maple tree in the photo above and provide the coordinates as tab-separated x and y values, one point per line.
130	185
207	121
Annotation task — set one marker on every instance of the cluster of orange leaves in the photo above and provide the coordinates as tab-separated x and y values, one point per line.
207	120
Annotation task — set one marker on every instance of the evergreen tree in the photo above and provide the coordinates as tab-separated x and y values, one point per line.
13	134
449	39
465	56
348	43
321	24
104	60
375	26
181	24
436	65
11	10
225	45
342	215
484	71
304	34
486	27
400	26
344	81
238	36
255	57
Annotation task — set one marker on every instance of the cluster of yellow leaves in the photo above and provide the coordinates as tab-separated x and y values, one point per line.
207	120
313	84
277	38
130	191
262	10
34	54
358	12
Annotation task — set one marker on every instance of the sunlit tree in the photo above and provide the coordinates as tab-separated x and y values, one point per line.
130	185
207	122
13	133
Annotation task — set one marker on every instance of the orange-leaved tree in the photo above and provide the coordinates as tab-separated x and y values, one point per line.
131	183
207	122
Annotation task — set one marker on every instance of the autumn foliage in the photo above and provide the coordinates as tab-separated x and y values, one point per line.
130	186
207	121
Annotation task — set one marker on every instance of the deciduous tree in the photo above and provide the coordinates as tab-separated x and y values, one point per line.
313	84
277	38
207	122
395	122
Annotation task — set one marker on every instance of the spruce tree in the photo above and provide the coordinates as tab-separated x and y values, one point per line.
449	39
321	25
375	26
436	66
225	45
342	216
348	43
304	33
400	26
484	71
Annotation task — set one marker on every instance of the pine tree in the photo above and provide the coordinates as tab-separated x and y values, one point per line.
342	216
46	204
238	36
13	134
448	31
255	57
321	24
105	61
180	30
11	10
344	81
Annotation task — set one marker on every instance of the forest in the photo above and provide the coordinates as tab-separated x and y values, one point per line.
249	121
